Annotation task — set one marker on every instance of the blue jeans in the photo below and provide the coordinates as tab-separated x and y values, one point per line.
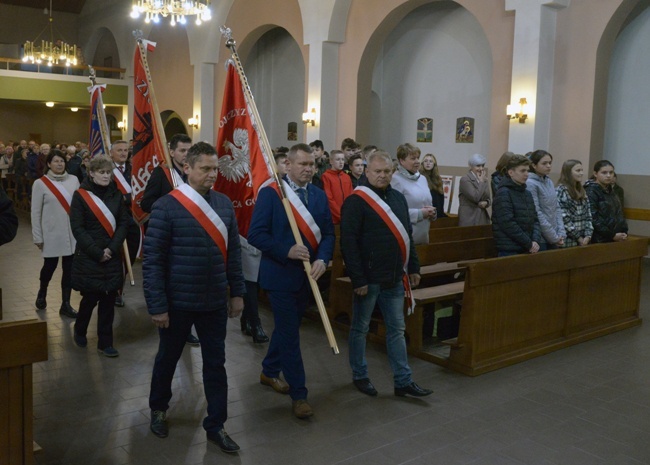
391	304
211	329
284	354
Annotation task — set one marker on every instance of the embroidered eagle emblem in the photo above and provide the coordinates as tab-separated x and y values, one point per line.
235	167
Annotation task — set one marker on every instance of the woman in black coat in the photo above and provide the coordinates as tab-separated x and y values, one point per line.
99	222
606	209
514	219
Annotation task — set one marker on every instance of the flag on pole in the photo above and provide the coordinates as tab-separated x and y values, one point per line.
98	128
148	150
243	161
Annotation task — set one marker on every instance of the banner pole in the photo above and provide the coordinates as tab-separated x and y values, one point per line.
230	43
103	128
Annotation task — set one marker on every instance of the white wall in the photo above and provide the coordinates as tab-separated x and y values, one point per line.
436	63
276	74
628	112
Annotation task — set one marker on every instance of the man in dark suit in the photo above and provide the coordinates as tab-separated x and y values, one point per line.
119	154
282	272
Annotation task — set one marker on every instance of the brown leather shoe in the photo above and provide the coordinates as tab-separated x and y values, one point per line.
277	384
302	409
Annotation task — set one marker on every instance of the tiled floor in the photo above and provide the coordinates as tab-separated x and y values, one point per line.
588	404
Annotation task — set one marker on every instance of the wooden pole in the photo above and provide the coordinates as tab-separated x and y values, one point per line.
230	43
103	128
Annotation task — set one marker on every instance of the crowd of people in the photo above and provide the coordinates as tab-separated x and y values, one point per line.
198	271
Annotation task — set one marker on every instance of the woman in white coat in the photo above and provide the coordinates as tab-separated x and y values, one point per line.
51	198
408	180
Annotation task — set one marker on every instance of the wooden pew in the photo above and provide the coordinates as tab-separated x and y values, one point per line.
22	343
520	307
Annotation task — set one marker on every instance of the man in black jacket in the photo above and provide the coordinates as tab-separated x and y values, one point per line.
192	274
379	256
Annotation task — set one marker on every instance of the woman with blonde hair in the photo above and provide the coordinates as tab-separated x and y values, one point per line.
429	169
574	204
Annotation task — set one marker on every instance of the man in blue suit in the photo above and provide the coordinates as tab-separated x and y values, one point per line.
282	272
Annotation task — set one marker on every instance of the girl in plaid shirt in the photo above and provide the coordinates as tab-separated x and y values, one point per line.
574	204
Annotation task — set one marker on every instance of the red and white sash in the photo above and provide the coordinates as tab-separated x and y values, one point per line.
59	192
398	230
100	210
122	183
202	212
306	223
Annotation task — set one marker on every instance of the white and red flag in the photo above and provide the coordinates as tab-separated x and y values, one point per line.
243	162
148	149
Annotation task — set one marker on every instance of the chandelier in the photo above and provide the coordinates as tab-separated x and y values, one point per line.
176	9
49	51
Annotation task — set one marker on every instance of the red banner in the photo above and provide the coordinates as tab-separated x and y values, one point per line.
243	165
148	151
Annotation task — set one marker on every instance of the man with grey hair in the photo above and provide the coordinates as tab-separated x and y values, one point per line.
380	258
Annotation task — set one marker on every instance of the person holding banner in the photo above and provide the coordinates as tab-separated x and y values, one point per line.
161	183
99	222
122	176
51	199
282	272
380	257
192	275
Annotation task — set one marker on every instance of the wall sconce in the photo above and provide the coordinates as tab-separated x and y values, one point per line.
194	122
49	104
74	109
522	116
121	125
309	117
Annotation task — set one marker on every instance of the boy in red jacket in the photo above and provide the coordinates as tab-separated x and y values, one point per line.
336	184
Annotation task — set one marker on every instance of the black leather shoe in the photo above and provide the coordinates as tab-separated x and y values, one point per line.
67	310
41	303
158	423
364	385
221	439
412	390
192	340
81	341
259	336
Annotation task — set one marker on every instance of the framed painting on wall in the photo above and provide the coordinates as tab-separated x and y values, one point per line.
465	130
425	130
292	131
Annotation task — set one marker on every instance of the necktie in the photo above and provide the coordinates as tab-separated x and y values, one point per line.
302	195
121	168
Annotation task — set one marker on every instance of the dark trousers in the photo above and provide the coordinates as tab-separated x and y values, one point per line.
211	329
105	302
284	349
49	266
251	312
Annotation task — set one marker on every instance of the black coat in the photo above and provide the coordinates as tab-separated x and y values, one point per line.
606	212
514	219
88	273
8	219
370	250
157	186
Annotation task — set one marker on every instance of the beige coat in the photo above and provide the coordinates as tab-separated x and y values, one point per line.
470	193
50	222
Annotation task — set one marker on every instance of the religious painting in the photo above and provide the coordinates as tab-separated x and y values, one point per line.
465	130
292	131
425	130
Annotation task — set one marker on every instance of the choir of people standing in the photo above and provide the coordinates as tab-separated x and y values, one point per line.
474	194
51	231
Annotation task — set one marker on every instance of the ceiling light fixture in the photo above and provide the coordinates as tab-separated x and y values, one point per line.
176	9
49	51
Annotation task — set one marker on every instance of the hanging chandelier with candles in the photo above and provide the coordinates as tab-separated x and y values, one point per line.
49	51
177	10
